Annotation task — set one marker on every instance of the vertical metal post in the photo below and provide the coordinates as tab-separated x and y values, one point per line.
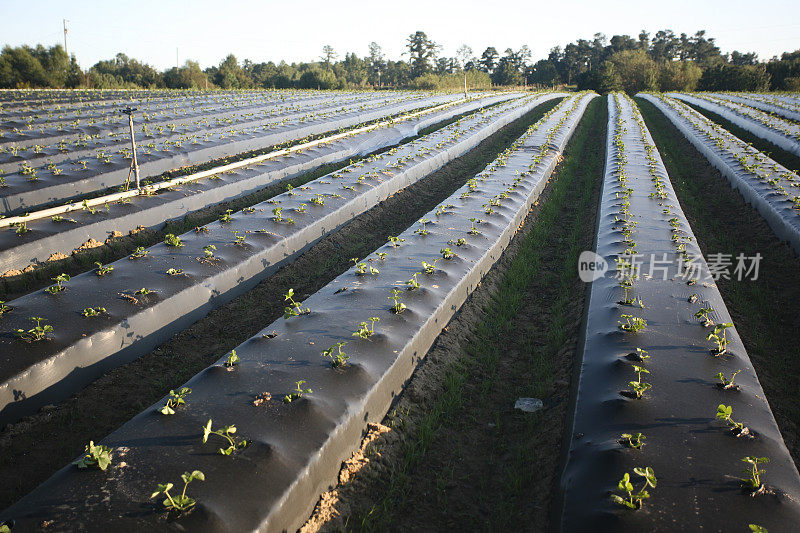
65	38
465	84
134	162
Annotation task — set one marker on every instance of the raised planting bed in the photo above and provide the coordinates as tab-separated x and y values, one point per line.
22	193
45	127
245	248
62	234
70	148
764	102
769	187
295	447
780	132
649	368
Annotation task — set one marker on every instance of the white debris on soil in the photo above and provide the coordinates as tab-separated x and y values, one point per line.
529	405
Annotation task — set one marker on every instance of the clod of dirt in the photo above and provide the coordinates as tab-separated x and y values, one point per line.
262	399
57	256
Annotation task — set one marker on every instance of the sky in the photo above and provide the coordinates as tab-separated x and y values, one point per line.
267	30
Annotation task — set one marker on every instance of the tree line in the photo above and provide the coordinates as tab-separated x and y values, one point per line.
664	61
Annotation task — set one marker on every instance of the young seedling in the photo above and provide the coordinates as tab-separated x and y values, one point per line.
103	270
396	241
753	482
175	400
277	214
183	502
99	456
173	240
635	501
429	268
447	253
337	357
413	284
422	230
724	412
174	271
22	228
702	316
297	393
719	338
398	306
381	256
93	311
362	269
724	383
692	298
639	387
227	433
36	333
232	359
473	230
225	217
632	440
294	308
755	528
639	355
144	291
239	238
4	308
632	324
59	286
139	253
366	330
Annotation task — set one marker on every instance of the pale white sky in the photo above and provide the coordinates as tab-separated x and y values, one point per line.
207	30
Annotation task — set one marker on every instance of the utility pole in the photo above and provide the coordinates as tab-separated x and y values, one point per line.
65	38
177	65
465	84
134	163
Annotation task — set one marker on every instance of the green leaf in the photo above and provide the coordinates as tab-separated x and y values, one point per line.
206	431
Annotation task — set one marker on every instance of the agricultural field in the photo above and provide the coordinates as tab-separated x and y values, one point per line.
379	310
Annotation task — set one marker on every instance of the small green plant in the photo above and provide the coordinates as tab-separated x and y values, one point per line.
692	298
632	324
59	286
362	269
702	316
337	357
755	528
724	412
93	311
239	238
447	253
429	268
458	242
175	400
36	333
22	228
228	433
639	387
102	270
398	306
422	230
183	502
631	500
724	383
174	271
753	481
173	240
473	230
719	338
297	393
413	284
99	456
4	308
640	355
144	291
139	253
294	308
396	241
225	217
209	250
366	330
632	440
381	255
232	359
